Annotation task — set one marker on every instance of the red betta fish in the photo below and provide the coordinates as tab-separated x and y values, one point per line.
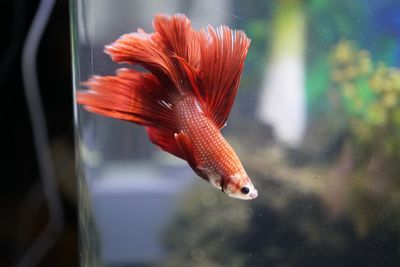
185	97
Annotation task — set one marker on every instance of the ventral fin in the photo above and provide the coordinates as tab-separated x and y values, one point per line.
186	148
165	139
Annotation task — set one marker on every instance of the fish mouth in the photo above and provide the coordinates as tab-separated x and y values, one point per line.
253	194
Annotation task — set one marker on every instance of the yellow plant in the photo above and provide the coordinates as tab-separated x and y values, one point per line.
370	97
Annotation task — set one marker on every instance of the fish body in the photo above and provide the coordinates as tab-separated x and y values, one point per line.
185	98
212	156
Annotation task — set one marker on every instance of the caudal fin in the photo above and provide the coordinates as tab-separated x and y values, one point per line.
206	64
222	55
131	95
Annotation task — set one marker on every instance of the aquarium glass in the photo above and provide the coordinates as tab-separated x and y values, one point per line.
316	123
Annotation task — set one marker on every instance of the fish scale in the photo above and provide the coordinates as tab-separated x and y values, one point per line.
211	150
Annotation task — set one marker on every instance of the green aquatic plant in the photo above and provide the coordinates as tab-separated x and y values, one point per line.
368	97
369	94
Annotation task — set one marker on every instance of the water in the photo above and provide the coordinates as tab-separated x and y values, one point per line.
316	123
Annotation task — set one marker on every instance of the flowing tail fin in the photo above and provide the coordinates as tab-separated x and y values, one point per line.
205	64
131	95
136	97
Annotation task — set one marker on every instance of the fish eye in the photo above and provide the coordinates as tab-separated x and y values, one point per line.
245	190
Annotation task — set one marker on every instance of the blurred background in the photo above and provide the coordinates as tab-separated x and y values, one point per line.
23	209
316	124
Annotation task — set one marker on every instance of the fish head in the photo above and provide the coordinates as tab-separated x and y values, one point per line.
239	186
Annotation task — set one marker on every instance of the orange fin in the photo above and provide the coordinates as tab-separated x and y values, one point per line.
207	63
131	95
223	52
165	140
179	36
148	51
186	148
173	36
211	60
193	81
